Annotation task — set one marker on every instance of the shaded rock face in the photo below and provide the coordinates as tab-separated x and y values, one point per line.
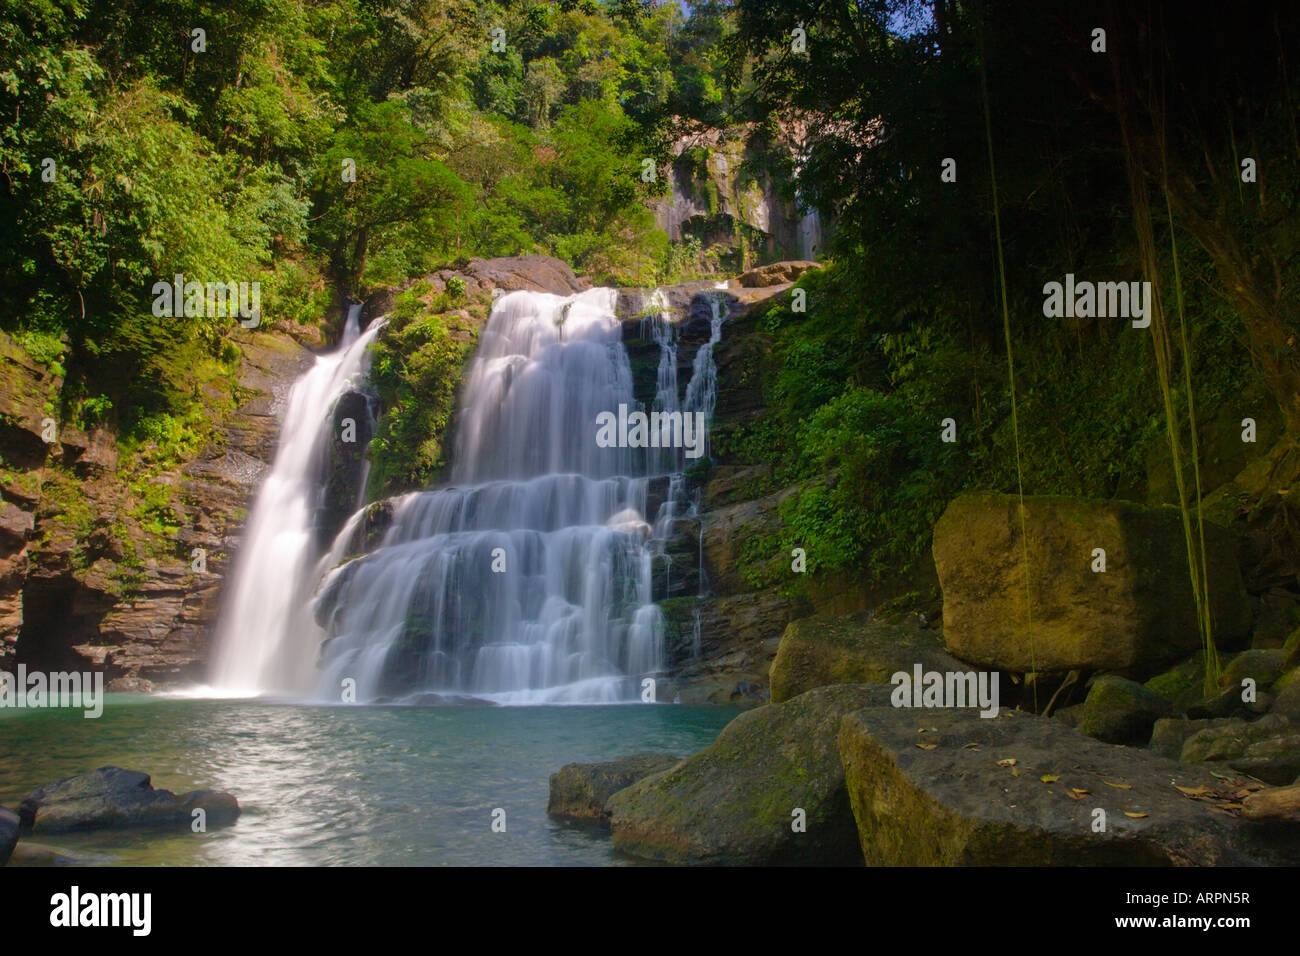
737	801
112	797
352	427
111	594
579	791
720	190
819	651
1136	616
953	805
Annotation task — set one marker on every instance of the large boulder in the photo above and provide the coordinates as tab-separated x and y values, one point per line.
819	651
1132	618
9	825
579	791
112	797
1120	711
737	802
1023	790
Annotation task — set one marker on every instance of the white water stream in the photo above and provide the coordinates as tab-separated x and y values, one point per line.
528	580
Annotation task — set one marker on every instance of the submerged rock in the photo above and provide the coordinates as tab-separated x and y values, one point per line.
112	797
1134	617
580	791
9	825
38	854
819	651
769	790
1023	790
1120	711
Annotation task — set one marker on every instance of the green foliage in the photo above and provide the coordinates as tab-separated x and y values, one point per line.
228	165
415	369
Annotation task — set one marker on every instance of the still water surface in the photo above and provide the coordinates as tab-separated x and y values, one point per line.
344	785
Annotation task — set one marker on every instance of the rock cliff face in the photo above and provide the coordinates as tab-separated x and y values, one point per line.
724	194
112	564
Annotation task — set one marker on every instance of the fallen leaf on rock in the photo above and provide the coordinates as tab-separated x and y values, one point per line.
970	746
1078	792
1118	786
927	746
1073	796
1135	816
1192	791
1049	778
1008	762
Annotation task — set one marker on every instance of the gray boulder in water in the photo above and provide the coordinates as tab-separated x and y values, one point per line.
8	834
113	797
579	791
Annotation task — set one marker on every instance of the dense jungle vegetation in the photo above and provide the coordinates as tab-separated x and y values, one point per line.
132	149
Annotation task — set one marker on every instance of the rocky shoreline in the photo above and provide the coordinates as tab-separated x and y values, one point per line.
1117	751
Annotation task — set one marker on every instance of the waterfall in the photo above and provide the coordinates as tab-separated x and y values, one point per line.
262	634
810	234
701	396
528	579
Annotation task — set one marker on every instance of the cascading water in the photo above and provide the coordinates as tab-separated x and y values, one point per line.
702	397
528	580
263	634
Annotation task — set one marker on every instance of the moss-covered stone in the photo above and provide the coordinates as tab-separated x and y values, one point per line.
997	792
1120	711
1170	733
1132	618
736	802
1264	667
818	651
1268	748
1286	695
1182	685
579	791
